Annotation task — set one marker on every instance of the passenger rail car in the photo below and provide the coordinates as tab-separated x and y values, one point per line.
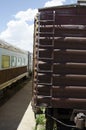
13	64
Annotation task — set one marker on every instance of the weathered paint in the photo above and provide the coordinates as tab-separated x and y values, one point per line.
59	79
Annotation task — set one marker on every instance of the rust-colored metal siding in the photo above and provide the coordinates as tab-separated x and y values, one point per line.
59	79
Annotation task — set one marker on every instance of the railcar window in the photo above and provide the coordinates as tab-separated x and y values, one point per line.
23	61
5	61
13	61
19	61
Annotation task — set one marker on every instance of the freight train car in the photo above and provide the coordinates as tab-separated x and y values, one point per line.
13	64
59	75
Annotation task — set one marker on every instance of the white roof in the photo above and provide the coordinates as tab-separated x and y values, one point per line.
10	47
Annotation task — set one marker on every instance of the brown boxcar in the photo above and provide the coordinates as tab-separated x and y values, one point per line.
59	79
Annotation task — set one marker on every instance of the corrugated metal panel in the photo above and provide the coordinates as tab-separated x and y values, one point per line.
60	57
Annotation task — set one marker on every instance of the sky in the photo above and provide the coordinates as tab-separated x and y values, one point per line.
17	18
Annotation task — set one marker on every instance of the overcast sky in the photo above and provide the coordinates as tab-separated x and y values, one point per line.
16	20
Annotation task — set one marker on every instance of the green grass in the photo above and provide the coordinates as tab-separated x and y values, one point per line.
40	120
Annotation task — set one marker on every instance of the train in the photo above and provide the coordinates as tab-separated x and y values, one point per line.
15	64
59	66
